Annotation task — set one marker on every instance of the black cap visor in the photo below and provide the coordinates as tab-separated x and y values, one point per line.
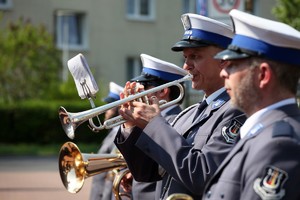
144	78
230	55
179	46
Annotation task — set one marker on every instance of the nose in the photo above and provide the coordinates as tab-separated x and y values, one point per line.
187	65
223	74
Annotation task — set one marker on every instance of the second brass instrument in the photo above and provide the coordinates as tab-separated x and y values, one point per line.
75	167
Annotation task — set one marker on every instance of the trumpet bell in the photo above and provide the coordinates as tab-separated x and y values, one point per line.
179	196
71	167
75	167
65	120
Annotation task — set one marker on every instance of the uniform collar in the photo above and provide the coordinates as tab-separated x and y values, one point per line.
254	119
213	96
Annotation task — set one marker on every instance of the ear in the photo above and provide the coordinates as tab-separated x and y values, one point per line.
265	74
164	93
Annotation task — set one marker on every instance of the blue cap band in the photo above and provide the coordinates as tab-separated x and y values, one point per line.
114	95
208	36
282	54
162	75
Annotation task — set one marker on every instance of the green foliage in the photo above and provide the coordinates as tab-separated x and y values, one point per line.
287	11
37	122
29	62
35	149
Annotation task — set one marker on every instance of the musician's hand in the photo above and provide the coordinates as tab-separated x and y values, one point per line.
130	88
126	183
140	113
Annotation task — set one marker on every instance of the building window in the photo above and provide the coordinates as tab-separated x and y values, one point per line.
249	6
189	6
6	4
140	10
70	30
134	67
195	6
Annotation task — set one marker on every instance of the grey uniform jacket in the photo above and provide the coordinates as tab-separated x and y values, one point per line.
264	165
101	188
146	190
189	152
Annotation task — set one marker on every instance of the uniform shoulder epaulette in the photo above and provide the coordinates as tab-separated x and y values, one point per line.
282	128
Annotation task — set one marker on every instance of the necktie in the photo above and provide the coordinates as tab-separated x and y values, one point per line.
201	107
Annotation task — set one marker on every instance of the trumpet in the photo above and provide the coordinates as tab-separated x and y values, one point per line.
75	167
70	121
179	196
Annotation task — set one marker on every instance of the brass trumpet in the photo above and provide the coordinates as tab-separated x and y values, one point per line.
179	196
70	121
75	167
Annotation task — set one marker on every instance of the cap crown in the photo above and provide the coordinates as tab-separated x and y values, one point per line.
162	69
201	28
114	91
271	39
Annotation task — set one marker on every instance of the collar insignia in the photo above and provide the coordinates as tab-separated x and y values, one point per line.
217	104
255	130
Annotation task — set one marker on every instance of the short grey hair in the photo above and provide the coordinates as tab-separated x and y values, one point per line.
286	74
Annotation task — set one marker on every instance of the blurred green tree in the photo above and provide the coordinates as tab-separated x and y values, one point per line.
29	63
287	11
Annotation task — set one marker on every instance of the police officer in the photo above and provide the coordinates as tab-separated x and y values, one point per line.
185	154
157	72
262	81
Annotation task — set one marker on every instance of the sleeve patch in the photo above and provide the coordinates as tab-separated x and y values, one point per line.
270	186
231	132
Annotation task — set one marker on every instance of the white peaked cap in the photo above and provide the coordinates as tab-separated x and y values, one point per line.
203	31
256	36
161	69
114	92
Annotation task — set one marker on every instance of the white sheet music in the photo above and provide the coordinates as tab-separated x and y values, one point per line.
84	79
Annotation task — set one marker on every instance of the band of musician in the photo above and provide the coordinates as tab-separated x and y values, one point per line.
259	59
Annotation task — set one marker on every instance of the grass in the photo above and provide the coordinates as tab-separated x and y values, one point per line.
41	150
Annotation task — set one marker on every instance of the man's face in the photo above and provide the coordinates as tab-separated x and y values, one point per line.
241	83
205	69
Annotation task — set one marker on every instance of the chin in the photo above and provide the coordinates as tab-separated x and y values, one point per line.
196	86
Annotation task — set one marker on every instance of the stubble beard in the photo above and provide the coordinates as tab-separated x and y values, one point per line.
247	94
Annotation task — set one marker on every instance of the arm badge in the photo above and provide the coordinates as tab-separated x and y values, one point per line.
231	132
270	185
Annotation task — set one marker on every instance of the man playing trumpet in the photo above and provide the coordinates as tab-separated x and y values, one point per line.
157	72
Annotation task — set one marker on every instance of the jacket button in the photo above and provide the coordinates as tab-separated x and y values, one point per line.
222	196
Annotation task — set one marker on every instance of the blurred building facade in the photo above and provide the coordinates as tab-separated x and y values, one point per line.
111	34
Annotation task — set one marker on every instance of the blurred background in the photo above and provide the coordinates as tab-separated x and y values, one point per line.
38	37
